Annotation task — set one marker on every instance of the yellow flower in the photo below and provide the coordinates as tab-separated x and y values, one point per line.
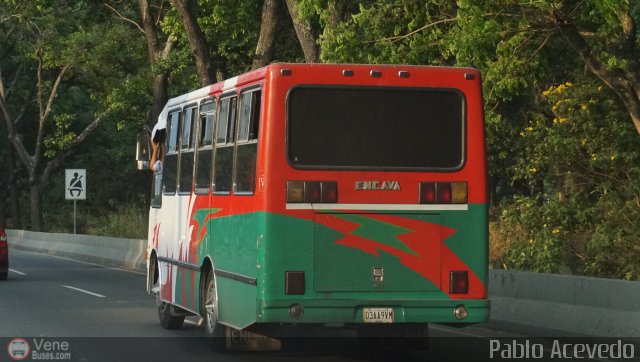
583	106
533	170
556	231
522	134
594	156
562	120
569	84
530	241
599	88
613	157
529	129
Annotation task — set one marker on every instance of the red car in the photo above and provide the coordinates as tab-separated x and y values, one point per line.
4	255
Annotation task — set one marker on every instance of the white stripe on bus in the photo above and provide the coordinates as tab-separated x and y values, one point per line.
381	207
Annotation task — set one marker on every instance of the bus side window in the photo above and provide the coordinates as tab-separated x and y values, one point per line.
187	150
205	149
170	167
223	169
247	148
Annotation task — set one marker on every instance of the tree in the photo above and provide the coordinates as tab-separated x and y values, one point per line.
64	80
188	11
306	34
268	27
621	72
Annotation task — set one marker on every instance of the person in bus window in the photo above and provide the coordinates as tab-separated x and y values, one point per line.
157	156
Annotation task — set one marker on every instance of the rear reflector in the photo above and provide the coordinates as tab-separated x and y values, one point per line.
294	282
459	282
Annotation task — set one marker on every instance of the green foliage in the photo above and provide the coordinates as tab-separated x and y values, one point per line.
563	158
231	29
397	31
127	221
579	164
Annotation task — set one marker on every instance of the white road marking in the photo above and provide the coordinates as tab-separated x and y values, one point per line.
17	272
84	291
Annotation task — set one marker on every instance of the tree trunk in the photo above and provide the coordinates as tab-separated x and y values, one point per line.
159	82
188	10
35	195
160	97
308	40
14	196
267	38
337	9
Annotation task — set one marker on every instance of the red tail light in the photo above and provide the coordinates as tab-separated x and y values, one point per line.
329	192
312	192
443	193
459	282
427	193
3	239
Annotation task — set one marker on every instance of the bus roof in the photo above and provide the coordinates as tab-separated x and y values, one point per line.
255	74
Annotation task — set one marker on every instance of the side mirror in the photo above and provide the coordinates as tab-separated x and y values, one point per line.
142	152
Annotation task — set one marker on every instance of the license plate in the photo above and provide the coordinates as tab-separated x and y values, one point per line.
378	315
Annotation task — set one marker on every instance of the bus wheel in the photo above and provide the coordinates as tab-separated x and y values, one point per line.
211	326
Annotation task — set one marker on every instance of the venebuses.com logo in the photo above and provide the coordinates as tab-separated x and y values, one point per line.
20	349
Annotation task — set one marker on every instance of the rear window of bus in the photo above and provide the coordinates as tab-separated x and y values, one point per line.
382	128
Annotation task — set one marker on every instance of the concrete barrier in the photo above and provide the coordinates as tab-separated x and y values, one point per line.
562	305
568	304
116	252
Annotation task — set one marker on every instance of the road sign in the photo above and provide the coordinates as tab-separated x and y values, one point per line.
75	184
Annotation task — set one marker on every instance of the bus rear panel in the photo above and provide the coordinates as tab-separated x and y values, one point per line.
376	196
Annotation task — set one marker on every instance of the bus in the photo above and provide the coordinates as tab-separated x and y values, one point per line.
323	195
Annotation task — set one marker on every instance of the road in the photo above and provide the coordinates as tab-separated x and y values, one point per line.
104	314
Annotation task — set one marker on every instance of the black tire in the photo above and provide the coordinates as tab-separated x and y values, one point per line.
212	328
3	276
167	320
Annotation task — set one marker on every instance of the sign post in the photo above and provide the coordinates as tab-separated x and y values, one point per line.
75	188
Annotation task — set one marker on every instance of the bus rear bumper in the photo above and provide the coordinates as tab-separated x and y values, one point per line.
353	311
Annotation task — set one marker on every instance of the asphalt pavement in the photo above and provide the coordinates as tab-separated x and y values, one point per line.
54	308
